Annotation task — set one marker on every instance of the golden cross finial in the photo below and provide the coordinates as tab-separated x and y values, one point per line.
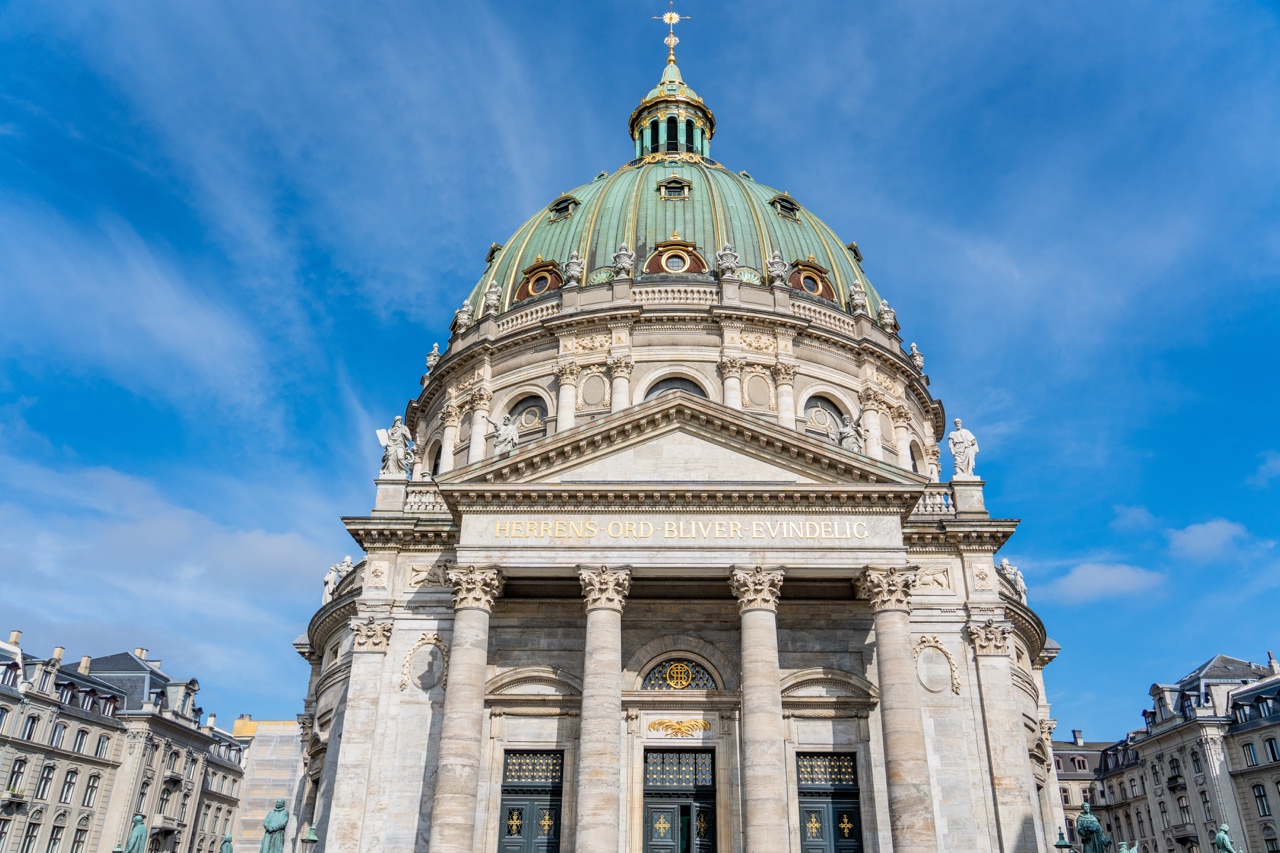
671	19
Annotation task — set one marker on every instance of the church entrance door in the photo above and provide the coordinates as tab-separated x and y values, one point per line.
530	811
830	820
679	801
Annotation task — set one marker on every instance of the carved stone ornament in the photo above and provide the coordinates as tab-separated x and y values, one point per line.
858	300
592	343
375	574
873	400
567	370
621	365
492	297
784	373
888	589
1046	730
933	577
888	317
932	642
990	638
431	574
624	260
462	317
433	357
371	635
760	342
732	367
475	588
917	357
727	259
572	270
406	676
680	728
756	588
481	398
777	267
605	588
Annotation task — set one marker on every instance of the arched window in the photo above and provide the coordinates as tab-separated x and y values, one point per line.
1196	766
435	461
675	383
918	465
142	796
163	805
823	417
172	761
1057	763
16	773
679	674
59	734
29	727
673	140
44	783
1066	795
530	417
68	787
104	743
90	792
688	136
4	715
77	745
1204	803
653	136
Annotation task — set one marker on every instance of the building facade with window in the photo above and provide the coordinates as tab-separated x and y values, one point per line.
1171	784
669	566
85	748
1078	763
1252	748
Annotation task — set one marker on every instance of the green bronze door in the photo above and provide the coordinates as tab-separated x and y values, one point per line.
530	808
679	801
830	819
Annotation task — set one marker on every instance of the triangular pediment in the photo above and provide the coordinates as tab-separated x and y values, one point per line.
679	439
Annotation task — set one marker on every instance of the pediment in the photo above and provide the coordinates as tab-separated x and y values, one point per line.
679	439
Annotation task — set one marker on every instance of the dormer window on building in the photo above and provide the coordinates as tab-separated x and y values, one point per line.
812	279
562	208
787	207
674	188
675	256
540	278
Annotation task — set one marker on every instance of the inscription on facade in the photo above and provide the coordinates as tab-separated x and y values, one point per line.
655	530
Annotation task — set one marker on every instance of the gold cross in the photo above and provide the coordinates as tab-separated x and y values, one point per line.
513	822
814	825
662	825
845	825
546	823
671	19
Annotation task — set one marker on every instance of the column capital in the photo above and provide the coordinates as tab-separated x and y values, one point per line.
370	635
450	415
481	398
621	365
784	373
732	366
990	637
605	588
756	588
567	370
475	589
887	589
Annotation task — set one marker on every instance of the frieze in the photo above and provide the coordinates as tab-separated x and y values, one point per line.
680	728
759	342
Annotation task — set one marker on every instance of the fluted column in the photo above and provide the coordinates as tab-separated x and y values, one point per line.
480	400
905	764
784	375
567	396
620	367
731	373
764	775
600	741
450	416
453	813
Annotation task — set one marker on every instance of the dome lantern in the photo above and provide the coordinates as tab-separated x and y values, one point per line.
672	118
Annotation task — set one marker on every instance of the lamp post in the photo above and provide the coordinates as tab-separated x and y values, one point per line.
309	839
1062	843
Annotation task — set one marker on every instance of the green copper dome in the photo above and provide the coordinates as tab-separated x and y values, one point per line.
672	192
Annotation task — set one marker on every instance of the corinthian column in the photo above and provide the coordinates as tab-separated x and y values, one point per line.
764	775
450	417
905	764
567	400
872	404
784	374
453	813
731	372
620	367
600	741
480	400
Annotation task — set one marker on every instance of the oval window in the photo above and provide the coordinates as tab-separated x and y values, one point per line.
540	284
811	284
674	262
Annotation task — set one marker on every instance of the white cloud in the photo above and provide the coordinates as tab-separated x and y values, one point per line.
1208	540
1090	582
1267	471
1133	519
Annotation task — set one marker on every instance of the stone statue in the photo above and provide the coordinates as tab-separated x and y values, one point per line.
137	842
462	317
573	270
888	317
623	261
850	436
917	358
1124	847
858	299
777	268
1015	577
344	567
727	259
273	827
396	458
492	297
433	357
506	434
226	846
1222	841
330	583
1092	838
964	450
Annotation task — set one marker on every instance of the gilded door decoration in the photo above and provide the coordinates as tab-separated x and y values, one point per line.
531	795
680	728
679	801
830	818
679	674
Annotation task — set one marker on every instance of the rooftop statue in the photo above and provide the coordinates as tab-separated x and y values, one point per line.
462	317
506	434
850	436
727	259
1015	577
492	297
1092	838
433	357
573	270
396	457
331	579
624	260
344	567
777	268
917	357
888	317
858	299
1222	841
273	826
137	842
964	450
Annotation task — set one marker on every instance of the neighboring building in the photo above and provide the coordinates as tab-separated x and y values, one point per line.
1078	763
693	385
1253	757
1171	784
272	770
84	749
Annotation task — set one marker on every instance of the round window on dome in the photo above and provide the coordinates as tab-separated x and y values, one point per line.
811	284
540	284
675	261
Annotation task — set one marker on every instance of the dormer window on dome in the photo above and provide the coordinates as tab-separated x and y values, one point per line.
563	207
786	206
540	278
674	188
675	256
812	279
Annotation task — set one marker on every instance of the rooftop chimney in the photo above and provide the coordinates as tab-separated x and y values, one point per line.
1271	661
86	664
57	653
1077	735
140	652
14	637
213	720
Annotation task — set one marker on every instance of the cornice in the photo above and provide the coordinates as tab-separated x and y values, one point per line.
336	614
686	497
402	534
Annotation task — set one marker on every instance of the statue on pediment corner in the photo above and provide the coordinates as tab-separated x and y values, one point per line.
964	450
850	436
396	455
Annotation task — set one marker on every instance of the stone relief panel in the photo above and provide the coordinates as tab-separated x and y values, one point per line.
935	666
593	389
933	579
758	392
376	573
430	574
426	664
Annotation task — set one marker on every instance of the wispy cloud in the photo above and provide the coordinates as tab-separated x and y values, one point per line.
1208	540
1268	470
1090	582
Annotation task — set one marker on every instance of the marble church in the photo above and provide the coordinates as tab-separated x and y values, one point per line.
661	560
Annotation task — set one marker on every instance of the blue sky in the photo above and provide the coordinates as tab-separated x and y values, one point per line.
229	233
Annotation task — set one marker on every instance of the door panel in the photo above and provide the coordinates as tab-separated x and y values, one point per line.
662	828
830	827
530	825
